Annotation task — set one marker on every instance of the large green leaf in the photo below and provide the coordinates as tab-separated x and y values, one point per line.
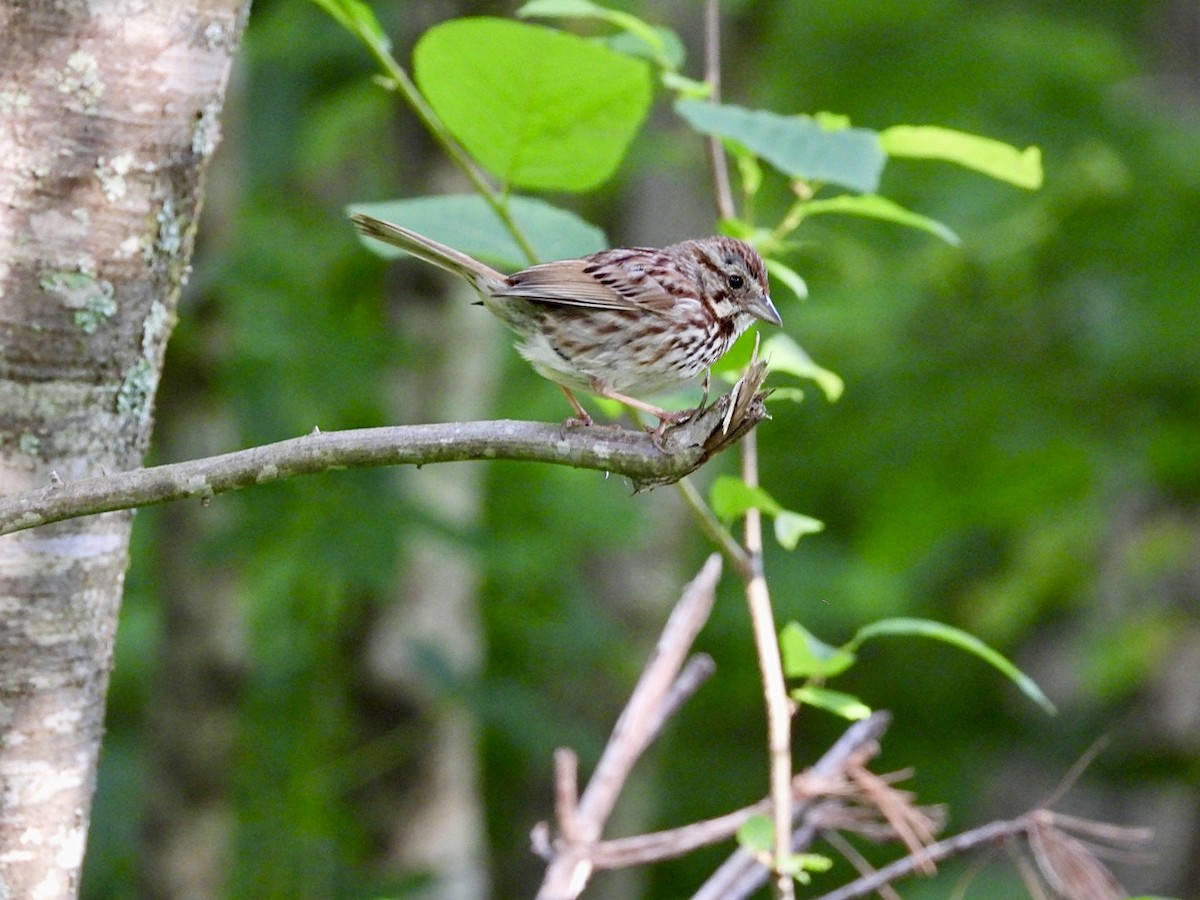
465	222
539	108
799	146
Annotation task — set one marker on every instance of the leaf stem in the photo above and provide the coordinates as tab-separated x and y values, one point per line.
712	527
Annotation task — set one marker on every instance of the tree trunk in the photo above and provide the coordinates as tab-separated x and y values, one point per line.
108	114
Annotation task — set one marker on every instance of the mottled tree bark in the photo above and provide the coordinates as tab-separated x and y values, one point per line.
108	114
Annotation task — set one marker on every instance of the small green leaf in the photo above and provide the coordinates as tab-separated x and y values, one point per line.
359	19
789	276
807	656
791	526
466	222
958	638
797	145
790	394
659	45
561	9
539	108
783	354
991	157
730	498
873	206
757	834
840	704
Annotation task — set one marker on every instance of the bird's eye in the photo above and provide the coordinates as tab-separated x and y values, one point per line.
736	281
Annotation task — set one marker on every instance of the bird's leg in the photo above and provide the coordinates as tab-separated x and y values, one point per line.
581	414
664	415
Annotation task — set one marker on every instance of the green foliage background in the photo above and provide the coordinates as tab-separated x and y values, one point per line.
1017	451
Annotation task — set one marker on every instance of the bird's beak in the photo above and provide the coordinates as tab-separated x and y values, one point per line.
763	308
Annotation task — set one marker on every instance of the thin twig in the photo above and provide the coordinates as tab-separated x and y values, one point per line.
779	713
986	835
572	865
712	74
757	596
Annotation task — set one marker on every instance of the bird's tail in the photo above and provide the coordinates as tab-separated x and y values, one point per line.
429	250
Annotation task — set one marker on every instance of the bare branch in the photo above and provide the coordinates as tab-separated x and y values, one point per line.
572	864
986	835
682	449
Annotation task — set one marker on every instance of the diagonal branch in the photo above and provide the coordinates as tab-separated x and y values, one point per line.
657	693
647	462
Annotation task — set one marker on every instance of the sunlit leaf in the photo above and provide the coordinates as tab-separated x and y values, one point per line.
845	705
789	276
783	354
874	206
466	222
539	108
757	834
791	526
797	145
958	638
807	656
730	498
991	157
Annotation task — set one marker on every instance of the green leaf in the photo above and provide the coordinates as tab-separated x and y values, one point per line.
840	704
796	145
783	354
466	222
958	638
790	394
359	19
791	526
757	834
789	276
730	497
991	157
539	108
807	656
562	9
875	207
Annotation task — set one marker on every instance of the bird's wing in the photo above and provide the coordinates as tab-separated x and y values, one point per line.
583	283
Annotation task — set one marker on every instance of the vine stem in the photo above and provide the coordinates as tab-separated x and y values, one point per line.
437	128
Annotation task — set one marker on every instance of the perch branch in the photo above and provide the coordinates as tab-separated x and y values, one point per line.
682	450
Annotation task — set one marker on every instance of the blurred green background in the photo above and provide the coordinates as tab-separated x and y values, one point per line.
305	670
